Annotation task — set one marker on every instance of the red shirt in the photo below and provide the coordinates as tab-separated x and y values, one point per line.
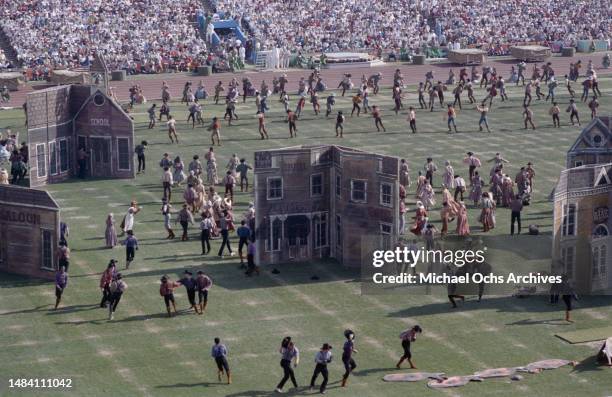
167	288
106	278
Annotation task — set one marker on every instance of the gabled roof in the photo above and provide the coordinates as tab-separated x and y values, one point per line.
18	195
109	99
602	124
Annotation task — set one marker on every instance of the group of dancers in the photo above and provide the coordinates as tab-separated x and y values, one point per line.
501	193
290	359
311	89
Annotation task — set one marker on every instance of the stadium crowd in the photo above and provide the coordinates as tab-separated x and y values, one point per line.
150	36
137	35
320	25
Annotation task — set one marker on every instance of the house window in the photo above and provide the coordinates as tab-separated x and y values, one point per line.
599	261
52	159
316	185
70	153
275	188
338	185
123	149
320	229
600	231
40	160
275	235
315	157
385	236
578	163
99	99
338	231
358	191
569	220
47	250
64	156
597	140
567	257
386	194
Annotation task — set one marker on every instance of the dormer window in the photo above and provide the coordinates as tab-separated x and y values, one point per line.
597	140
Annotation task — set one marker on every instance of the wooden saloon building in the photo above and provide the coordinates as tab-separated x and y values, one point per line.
315	202
63	119
29	231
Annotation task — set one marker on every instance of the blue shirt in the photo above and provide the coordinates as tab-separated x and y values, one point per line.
347	350
323	357
131	242
219	351
243	232
288	355
188	283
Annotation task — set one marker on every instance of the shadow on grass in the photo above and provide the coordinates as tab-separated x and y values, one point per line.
36	309
302	390
9	280
185	385
369	371
590	364
503	304
552	321
228	274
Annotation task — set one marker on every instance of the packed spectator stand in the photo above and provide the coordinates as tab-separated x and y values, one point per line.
152	36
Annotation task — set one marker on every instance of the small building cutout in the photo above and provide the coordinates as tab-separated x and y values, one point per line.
63	119
29	231
315	202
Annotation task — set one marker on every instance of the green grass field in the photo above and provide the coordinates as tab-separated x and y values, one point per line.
143	353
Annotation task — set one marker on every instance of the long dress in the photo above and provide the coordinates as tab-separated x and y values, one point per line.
448	179
190	195
453	206
463	227
487	215
428	196
179	175
211	173
419	221
404	175
507	191
420	185
496	187
110	234
476	192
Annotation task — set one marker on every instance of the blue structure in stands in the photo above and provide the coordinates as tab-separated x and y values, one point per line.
222	24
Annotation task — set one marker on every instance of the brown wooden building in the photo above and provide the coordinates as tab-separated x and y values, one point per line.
321	201
29	231
63	119
582	243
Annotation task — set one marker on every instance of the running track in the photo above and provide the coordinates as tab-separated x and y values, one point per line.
151	85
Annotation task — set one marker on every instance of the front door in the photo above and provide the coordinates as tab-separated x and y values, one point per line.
297	233
100	157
